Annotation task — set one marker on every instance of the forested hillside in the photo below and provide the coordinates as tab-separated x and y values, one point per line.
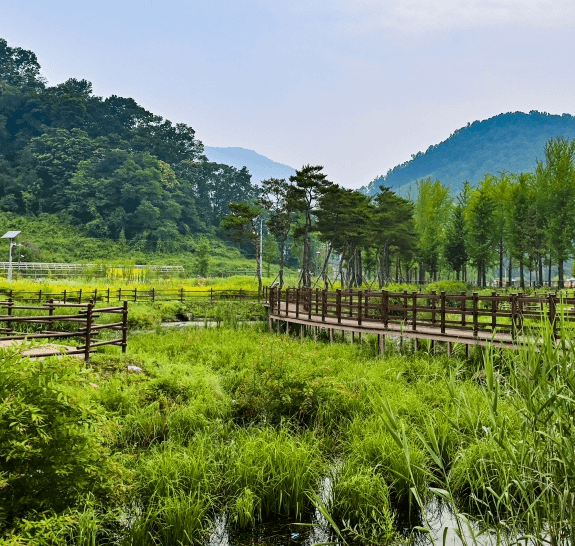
509	142
106	164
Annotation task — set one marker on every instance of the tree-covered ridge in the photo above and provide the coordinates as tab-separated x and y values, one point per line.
105	163
508	142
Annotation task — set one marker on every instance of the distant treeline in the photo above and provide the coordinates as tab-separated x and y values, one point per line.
108	165
524	221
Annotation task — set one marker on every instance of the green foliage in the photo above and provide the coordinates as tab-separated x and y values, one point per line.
53	439
360	503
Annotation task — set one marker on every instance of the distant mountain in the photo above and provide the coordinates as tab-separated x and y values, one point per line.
259	166
511	142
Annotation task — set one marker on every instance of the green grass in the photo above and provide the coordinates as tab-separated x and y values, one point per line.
252	424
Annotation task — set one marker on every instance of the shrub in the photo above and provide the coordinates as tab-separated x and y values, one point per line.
52	437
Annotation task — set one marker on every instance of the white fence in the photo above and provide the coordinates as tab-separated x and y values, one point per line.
38	268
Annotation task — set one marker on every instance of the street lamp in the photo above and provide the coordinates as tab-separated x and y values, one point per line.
11	235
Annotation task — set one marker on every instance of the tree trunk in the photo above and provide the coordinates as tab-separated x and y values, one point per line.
325	265
282	262
560	283
540	281
341	279
549	272
510	271
522	275
421	274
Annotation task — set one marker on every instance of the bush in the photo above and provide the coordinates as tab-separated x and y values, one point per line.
52	437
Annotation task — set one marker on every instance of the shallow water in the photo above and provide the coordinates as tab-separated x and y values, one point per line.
317	531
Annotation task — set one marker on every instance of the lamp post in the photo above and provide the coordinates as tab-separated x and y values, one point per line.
11	235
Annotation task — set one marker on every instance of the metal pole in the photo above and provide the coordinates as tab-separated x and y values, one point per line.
10	260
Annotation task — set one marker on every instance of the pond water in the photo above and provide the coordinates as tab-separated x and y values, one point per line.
316	530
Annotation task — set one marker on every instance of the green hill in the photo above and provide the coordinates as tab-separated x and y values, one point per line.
511	142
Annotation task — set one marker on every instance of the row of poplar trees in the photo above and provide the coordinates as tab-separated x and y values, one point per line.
523	222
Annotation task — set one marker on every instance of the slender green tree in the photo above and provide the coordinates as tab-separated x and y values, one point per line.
556	180
241	225
431	214
309	184
481	233
275	197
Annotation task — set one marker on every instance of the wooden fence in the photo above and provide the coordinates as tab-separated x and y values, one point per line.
109	295
86	320
438	316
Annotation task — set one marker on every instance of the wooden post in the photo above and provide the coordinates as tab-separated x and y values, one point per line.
366	305
120	294
331	335
475	315
463	306
65	295
520	310
316	300
125	326
350	303
153	295
9	313
135	294
338	305
50	313
181	295
323	304
553	314
88	333
80	296
287	328
359	308
297	303
385	308
381	340
513	316
95	294
405	307
287	301
108	296
493	312
308	290
212	293
414	315
279	293
442	312
433	306
449	348
40	296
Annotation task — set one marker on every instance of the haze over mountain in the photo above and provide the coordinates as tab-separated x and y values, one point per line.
260	167
512	142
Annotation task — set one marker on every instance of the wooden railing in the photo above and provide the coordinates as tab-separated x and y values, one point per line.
470	312
85	319
109	295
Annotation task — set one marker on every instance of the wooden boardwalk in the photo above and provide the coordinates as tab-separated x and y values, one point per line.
500	320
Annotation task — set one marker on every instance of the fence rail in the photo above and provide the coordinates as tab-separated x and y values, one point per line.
87	326
109	295
434	316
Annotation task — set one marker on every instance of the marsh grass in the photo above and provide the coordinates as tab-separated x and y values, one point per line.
250	424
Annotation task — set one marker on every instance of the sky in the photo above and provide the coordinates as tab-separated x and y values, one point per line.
356	86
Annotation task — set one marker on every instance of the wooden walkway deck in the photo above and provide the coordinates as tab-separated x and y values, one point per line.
471	320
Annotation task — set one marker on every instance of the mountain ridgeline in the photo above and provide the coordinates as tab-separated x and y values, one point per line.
259	166
509	142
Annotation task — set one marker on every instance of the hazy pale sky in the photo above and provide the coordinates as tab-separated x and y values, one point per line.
354	86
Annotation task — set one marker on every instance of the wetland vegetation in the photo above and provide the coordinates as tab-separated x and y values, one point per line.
255	428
